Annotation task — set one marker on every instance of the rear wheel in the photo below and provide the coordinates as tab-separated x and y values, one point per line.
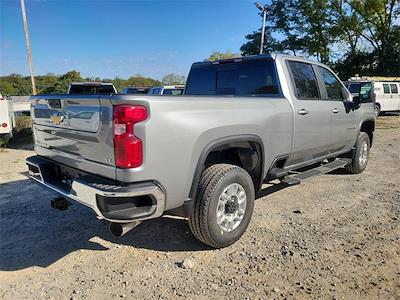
360	155
224	205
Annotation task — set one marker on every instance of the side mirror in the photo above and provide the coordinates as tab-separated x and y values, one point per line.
357	100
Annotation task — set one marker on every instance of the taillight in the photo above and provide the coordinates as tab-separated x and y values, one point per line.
128	148
4	125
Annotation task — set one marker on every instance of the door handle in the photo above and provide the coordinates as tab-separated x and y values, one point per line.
335	110
302	112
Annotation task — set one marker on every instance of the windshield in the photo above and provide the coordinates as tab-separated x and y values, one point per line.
245	78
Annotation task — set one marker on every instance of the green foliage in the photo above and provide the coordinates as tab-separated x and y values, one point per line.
18	85
216	55
172	79
353	36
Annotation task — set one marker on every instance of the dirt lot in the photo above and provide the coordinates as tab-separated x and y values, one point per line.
337	236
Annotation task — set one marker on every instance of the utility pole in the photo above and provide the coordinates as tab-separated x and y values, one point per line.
28	46
263	13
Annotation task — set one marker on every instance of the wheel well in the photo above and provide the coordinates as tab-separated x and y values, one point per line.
369	128
245	154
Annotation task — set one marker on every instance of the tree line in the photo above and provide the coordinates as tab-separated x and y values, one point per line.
17	85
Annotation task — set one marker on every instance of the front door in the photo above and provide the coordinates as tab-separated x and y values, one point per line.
312	118
343	121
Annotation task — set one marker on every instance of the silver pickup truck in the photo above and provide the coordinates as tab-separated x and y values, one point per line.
205	155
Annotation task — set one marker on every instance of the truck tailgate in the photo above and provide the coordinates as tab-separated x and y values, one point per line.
73	129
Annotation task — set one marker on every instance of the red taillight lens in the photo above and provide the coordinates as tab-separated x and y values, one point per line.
4	125
127	147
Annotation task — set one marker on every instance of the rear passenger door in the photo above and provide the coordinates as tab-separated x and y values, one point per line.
343	121
312	116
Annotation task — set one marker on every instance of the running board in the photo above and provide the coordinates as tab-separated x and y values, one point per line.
329	167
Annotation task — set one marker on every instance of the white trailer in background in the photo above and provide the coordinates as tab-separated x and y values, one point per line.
7	118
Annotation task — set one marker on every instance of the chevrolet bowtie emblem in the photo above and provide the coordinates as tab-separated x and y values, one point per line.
56	120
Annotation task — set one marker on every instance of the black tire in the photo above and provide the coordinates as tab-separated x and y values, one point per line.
357	166
213	182
377	109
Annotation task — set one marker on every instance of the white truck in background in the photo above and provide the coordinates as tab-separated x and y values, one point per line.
7	119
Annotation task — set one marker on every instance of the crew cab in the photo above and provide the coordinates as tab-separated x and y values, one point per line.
204	155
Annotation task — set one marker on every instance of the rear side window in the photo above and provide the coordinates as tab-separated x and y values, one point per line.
386	89
333	86
245	78
393	88
305	80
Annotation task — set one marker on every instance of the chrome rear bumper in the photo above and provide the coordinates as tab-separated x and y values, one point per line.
115	203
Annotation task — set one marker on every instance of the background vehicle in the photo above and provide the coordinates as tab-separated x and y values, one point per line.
135	90
7	118
172	90
386	91
204	155
88	88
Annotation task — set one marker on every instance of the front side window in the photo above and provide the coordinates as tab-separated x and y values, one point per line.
333	86
305	80
393	88
386	89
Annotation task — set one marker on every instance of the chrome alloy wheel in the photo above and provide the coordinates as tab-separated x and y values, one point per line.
363	158
231	207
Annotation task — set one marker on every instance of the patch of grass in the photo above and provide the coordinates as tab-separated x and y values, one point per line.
388	122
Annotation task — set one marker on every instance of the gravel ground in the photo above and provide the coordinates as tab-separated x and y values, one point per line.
337	236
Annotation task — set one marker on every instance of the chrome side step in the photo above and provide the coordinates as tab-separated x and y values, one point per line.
329	167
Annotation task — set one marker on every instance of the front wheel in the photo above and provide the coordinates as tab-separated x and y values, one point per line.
224	205
360	155
377	109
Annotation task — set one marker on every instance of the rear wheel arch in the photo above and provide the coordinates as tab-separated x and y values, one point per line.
241	149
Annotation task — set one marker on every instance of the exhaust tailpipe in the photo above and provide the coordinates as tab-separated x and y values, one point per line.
120	229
